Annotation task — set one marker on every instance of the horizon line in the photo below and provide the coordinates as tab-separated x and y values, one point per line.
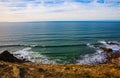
67	21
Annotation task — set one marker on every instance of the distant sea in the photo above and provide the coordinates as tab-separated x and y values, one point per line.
57	42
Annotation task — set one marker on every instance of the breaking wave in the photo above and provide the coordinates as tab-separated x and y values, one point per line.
47	46
113	47
98	57
29	55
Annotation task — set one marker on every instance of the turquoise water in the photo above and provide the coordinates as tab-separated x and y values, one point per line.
59	42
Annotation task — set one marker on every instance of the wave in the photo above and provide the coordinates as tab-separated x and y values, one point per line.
99	56
115	47
9	45
42	46
29	55
96	58
63	45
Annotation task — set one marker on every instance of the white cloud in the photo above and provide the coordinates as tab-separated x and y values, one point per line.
68	10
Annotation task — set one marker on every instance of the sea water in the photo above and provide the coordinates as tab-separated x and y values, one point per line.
58	42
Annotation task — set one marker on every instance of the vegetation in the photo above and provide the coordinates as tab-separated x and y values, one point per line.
37	70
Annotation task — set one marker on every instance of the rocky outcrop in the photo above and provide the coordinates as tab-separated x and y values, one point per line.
113	58
8	57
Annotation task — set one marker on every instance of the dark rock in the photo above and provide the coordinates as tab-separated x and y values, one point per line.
67	68
8	57
41	70
112	56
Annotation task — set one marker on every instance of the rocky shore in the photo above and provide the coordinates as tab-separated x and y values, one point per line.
11	67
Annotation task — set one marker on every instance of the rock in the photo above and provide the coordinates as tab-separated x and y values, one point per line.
108	50
41	70
8	57
113	58
116	60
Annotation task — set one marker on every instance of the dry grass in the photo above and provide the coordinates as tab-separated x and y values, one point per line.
37	70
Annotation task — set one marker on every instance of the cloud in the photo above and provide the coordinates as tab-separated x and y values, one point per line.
42	10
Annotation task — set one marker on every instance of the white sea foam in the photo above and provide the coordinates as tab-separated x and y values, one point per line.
103	42
89	45
27	54
98	57
33	45
113	47
23	54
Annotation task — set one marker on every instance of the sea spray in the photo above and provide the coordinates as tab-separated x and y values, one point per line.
114	47
96	58
99	56
29	55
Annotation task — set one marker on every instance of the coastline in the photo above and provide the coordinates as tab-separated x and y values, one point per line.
26	69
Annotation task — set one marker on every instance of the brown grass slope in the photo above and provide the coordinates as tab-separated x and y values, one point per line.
37	70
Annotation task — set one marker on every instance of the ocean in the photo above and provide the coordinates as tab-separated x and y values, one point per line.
65	42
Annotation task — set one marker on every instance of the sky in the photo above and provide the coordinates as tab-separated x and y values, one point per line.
58	10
